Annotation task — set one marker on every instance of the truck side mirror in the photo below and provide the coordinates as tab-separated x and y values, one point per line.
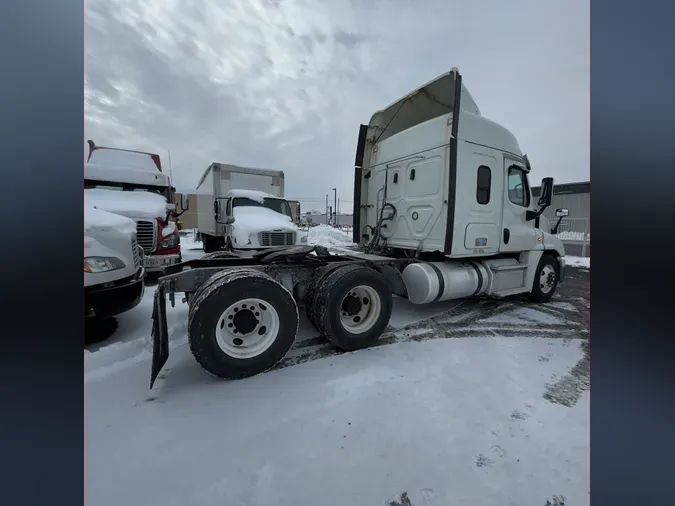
560	214
546	192
184	202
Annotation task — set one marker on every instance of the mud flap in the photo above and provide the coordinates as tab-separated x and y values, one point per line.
160	334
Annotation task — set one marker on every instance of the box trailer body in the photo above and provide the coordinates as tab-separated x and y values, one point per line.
442	210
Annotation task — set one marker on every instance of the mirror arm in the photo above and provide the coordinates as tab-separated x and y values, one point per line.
554	230
532	215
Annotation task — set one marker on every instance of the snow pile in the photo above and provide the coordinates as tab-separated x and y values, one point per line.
578	261
96	220
255	195
144	205
324	235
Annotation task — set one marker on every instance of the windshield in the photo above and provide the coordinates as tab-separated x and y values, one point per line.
278	205
157	190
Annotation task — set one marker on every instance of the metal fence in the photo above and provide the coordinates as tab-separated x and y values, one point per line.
575	233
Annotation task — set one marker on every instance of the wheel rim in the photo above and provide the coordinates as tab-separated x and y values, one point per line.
547	279
247	328
360	309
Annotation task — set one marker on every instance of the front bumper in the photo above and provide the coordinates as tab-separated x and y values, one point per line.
157	263
115	298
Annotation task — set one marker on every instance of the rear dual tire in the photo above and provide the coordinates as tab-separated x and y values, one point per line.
350	305
235	336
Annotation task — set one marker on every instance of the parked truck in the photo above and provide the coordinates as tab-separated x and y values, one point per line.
113	265
442	210
132	184
241	208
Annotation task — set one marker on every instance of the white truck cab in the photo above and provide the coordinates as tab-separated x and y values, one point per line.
436	179
113	264
255	220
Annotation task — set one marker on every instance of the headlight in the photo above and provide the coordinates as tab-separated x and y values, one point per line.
169	242
102	264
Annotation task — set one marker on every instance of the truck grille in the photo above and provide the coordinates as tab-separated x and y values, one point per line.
268	239
137	254
146	233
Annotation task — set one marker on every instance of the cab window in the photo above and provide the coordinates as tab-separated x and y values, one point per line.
519	191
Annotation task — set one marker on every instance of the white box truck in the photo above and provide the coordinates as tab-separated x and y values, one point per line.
243	209
442	210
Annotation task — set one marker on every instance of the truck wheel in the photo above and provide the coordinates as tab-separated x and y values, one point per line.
352	306
315	281
210	243
241	323
545	279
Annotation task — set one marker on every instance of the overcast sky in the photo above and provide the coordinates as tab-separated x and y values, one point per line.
285	83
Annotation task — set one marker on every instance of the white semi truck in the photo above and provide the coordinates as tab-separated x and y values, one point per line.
242	208
113	264
442	210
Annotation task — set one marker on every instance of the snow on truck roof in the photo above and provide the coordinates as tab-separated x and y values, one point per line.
256	195
137	204
139	160
122	174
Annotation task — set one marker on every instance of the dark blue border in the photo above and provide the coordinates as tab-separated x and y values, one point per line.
632	155
633	165
41	330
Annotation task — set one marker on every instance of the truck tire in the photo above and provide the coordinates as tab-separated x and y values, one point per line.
312	286
352	306
241	323
210	243
545	279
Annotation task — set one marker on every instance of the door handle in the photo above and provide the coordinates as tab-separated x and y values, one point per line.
507	235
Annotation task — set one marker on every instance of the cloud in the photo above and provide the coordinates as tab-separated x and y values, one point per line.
286	83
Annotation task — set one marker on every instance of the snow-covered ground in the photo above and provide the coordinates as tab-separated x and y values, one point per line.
470	403
584	262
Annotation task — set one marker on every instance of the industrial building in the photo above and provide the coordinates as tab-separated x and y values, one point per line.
574	230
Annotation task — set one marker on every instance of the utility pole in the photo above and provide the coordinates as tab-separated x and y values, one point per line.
335	203
337	216
170	170
326	209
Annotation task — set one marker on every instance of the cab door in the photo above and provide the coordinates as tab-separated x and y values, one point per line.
518	234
